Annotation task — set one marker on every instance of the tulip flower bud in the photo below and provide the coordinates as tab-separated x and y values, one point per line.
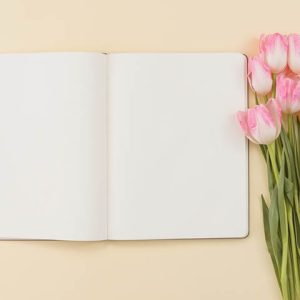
274	48
288	92
259	75
262	123
294	53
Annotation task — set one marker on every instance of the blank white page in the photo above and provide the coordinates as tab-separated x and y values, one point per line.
177	160
53	146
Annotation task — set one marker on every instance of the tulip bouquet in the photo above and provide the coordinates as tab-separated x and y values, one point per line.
274	76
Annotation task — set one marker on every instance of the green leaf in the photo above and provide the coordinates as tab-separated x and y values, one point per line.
289	154
296	147
271	179
276	265
290	276
263	149
289	190
297	233
283	228
274	226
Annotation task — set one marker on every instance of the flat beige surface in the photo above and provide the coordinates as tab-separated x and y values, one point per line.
158	270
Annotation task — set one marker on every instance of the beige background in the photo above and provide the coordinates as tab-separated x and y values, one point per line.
200	269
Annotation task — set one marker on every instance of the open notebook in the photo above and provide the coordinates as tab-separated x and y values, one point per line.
122	146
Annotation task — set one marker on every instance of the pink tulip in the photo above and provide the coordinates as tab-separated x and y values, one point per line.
294	53
262	123
260	77
288	92
274	48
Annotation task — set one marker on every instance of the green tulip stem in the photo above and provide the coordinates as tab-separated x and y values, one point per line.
256	99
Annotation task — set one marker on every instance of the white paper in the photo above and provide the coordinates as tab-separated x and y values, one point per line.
53	146
177	160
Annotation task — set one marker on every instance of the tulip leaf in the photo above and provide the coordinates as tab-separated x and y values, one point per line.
289	190
290	276
268	238
297	233
274	227
289	153
297	148
283	228
271	179
264	151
